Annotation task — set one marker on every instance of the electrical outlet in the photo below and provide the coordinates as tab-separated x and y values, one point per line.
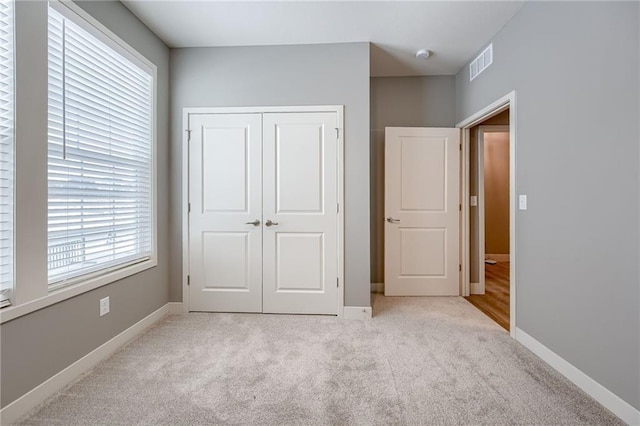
104	306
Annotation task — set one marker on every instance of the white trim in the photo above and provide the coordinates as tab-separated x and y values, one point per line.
187	112
604	396
21	406
465	285
506	102
480	208
264	109
185	210
357	312
377	288
476	288
79	16
340	195
175	308
489	111
504	257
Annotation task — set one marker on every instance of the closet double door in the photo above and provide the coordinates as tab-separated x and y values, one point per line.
263	217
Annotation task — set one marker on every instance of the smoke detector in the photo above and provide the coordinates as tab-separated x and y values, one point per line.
423	54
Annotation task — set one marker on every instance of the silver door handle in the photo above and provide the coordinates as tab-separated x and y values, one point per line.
392	220
269	223
254	223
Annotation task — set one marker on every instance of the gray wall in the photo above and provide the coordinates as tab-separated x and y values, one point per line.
336	74
401	102
36	346
575	68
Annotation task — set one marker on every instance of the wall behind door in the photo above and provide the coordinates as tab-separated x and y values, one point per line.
331	74
496	193
401	102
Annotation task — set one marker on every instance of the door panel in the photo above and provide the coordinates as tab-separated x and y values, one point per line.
299	167
225	164
227	265
300	197
423	252
422	207
225	188
299	262
423	160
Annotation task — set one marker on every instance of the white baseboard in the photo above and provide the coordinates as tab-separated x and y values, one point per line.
357	312
377	287
604	396
21	406
175	308
476	288
498	257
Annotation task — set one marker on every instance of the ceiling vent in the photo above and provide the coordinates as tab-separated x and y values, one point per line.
481	63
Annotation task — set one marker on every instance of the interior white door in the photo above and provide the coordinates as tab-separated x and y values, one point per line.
300	212
422	211
225	221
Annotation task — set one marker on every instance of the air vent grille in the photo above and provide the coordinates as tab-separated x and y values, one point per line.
481	63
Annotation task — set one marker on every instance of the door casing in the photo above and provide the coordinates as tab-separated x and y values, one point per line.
506	102
186	112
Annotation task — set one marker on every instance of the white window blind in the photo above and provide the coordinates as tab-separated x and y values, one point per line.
100	155
6	151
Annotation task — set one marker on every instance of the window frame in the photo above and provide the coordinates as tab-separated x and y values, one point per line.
88	282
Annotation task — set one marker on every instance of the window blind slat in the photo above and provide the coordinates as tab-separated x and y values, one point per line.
100	155
6	151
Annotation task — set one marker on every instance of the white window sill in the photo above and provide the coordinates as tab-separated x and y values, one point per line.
56	296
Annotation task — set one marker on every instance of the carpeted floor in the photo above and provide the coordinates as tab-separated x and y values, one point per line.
436	361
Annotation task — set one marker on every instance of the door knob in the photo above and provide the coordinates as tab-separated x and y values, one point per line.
392	220
269	223
254	223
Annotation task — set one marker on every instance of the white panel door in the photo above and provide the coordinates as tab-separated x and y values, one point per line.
422	211
225	222
300	213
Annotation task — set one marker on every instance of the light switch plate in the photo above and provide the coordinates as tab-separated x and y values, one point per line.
473	202
104	306
522	202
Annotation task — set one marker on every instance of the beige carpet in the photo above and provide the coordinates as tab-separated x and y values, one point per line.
432	361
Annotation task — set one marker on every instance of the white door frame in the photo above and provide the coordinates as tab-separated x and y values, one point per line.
480	177
506	102
338	109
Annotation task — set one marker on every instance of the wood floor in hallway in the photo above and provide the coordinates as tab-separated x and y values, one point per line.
495	302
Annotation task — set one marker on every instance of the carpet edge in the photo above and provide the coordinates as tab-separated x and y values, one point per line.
21	406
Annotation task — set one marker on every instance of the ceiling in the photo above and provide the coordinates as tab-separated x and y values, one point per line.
452	30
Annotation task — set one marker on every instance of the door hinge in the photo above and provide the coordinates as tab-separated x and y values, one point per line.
188	134
337	133
337	207
459	267
460	207
189	208
337	282
460	147
188	279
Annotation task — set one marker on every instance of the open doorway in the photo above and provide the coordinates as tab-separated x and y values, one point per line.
488	207
489	218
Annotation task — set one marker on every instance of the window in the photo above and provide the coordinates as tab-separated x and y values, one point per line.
100	153
6	151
